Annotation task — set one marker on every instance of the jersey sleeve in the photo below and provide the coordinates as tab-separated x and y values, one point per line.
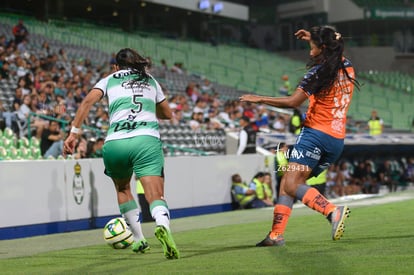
309	83
159	97
101	85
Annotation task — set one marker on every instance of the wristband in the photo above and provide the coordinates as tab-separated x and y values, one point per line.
75	130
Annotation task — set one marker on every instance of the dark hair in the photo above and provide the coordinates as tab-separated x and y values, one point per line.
129	59
245	118
234	177
259	175
332	45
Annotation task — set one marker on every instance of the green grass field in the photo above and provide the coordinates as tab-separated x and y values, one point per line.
379	239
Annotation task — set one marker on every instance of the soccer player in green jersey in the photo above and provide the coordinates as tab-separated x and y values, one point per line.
132	145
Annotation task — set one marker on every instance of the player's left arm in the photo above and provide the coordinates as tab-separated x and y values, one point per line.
163	110
293	101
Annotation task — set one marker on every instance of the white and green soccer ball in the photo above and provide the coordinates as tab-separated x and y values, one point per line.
117	234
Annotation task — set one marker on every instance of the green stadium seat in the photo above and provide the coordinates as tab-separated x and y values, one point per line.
247	69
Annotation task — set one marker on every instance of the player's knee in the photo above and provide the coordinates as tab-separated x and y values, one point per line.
292	183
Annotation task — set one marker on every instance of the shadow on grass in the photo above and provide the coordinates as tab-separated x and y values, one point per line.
212	250
380	237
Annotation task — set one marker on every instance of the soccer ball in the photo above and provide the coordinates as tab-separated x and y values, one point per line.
117	234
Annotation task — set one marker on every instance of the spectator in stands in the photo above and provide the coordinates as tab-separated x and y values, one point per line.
197	121
279	125
200	106
295	123
344	180
62	55
23	85
286	88
389	176
248	110
3	42
247	137
244	195
112	60
59	110
20	32
213	122
78	96
215	100
331	180
103	122
70	102
22	67
143	156
5	70
51	144
257	184
186	111
48	88
321	141
236	116
358	175
81	148
370	185
375	124
24	108
5	116
94	147
17	99
192	91
177	118
22	46
177	68
206	86
164	65
225	115
45	49
408	174
262	120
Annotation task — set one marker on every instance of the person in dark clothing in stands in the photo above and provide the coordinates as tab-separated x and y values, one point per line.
247	137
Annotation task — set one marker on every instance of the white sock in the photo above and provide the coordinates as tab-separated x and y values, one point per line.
161	215
132	218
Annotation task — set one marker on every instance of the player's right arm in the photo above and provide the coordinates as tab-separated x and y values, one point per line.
93	96
293	101
303	34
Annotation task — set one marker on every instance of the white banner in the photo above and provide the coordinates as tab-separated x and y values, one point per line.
43	191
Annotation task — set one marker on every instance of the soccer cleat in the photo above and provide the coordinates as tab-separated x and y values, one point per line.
141	246
167	242
268	241
338	217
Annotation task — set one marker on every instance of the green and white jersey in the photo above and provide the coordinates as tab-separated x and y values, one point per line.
131	109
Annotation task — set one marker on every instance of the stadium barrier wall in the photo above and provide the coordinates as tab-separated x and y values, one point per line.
54	196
